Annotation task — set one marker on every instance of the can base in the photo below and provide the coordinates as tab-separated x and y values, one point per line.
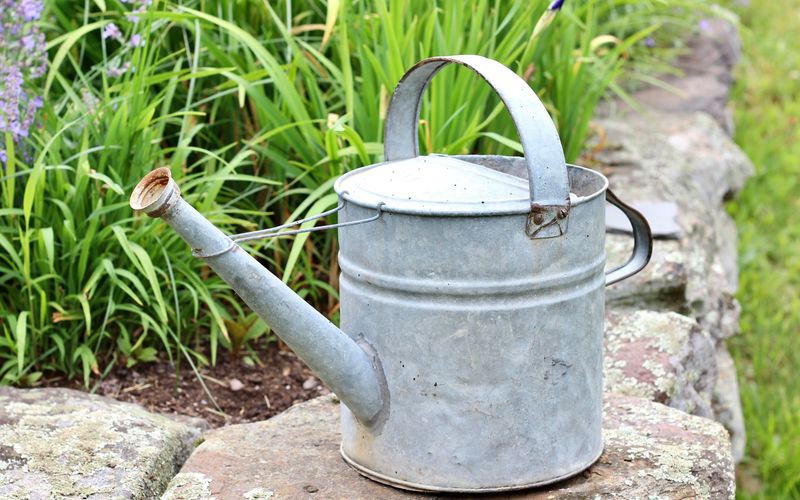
410	486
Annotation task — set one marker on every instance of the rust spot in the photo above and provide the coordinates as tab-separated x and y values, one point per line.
557	370
148	191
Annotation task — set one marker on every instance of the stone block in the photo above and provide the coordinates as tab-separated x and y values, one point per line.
686	159
688	151
660	356
651	451
704	79
60	443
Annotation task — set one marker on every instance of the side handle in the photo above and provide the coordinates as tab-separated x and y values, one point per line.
642	242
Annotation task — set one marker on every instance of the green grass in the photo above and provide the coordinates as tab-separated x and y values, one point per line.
767	98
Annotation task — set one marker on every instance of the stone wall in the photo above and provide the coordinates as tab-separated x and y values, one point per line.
678	150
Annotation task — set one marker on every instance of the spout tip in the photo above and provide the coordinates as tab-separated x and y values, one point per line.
155	193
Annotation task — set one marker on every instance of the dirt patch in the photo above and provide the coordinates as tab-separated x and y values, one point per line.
242	393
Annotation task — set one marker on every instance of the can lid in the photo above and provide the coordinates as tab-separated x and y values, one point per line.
435	185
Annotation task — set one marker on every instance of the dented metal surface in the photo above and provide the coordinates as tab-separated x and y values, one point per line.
470	352
491	344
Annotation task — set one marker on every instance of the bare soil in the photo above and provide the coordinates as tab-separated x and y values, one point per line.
234	393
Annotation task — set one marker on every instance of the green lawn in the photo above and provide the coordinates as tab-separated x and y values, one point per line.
767	99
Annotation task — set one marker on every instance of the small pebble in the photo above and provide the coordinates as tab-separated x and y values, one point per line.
310	384
235	384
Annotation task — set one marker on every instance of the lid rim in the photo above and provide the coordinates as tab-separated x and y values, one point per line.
455	208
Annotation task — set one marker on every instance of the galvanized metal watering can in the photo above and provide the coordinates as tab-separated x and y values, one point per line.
472	294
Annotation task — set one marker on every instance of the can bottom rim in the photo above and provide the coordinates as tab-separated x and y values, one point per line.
411	486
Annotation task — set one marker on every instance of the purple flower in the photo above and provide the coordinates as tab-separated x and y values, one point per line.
90	101
111	31
28	42
134	16
10	99
649	42
547	17
136	40
704	25
30	9
23	59
117	71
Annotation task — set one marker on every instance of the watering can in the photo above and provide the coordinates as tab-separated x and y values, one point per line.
469	357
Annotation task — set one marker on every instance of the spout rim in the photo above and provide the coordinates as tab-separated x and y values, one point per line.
155	193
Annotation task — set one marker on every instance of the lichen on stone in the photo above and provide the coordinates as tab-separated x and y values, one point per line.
72	444
661	356
259	494
189	486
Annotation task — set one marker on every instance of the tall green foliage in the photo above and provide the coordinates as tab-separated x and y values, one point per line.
257	107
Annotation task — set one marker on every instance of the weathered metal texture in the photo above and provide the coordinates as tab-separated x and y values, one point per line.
471	358
345	366
490	342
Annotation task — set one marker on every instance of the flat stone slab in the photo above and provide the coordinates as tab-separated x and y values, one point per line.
651	451
61	443
662	216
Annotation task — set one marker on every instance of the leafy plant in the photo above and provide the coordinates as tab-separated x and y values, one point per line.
256	107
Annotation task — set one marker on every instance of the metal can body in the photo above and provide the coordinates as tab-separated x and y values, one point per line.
490	342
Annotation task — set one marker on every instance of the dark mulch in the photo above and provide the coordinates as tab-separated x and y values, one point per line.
243	393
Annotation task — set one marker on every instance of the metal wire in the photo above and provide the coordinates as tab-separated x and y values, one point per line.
275	232
256	234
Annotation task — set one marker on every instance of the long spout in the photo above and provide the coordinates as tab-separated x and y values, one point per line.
345	365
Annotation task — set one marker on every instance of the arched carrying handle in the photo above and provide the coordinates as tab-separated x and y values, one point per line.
549	185
642	242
